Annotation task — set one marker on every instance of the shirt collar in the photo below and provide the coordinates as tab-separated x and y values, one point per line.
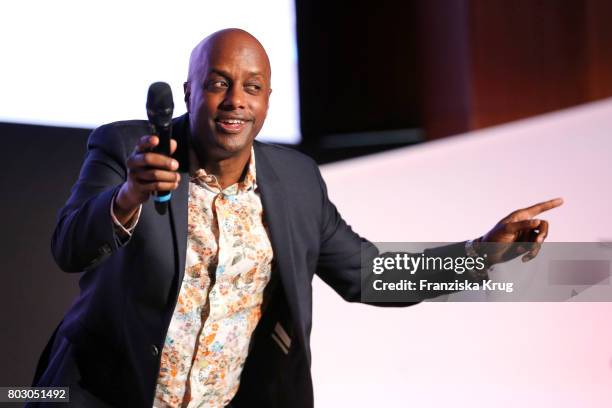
210	182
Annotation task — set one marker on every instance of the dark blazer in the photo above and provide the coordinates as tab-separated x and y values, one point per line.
108	345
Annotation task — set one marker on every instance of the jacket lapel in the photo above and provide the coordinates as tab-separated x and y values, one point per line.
274	203
178	205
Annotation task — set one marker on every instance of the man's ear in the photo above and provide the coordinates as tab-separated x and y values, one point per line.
187	93
268	99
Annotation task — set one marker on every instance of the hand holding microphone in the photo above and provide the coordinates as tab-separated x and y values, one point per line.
151	170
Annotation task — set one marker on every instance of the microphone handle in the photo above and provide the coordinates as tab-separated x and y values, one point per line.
164	133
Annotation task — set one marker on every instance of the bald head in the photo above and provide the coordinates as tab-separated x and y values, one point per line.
227	93
229	40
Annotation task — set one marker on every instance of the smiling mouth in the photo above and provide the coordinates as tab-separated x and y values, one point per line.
231	125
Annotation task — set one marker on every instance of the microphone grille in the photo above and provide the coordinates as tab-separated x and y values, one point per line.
159	97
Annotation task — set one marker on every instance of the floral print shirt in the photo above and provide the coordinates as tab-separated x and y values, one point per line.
228	265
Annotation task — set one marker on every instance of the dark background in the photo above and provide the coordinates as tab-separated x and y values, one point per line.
373	76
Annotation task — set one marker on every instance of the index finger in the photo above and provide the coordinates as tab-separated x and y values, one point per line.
151	160
543	206
145	143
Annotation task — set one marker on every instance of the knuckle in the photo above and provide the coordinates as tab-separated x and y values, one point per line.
148	159
141	158
155	174
516	216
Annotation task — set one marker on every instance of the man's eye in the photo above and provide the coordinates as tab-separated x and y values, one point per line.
216	84
253	87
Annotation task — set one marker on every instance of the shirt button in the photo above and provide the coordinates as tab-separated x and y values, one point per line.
154	350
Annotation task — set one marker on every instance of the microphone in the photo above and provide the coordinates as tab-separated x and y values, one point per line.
159	110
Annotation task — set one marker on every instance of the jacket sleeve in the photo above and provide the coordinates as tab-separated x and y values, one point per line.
84	234
342	252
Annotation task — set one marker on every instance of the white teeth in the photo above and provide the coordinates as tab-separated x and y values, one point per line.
233	121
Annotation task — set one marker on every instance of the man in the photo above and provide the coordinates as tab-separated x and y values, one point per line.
209	304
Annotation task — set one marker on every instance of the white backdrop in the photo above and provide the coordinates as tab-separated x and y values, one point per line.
473	354
85	63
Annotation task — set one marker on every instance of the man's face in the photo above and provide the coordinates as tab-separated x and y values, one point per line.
227	95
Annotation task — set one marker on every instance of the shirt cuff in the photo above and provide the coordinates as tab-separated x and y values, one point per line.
476	274
120	228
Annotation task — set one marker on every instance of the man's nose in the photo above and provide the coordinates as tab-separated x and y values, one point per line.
234	98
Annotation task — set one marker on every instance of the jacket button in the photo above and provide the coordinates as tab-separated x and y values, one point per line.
154	350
